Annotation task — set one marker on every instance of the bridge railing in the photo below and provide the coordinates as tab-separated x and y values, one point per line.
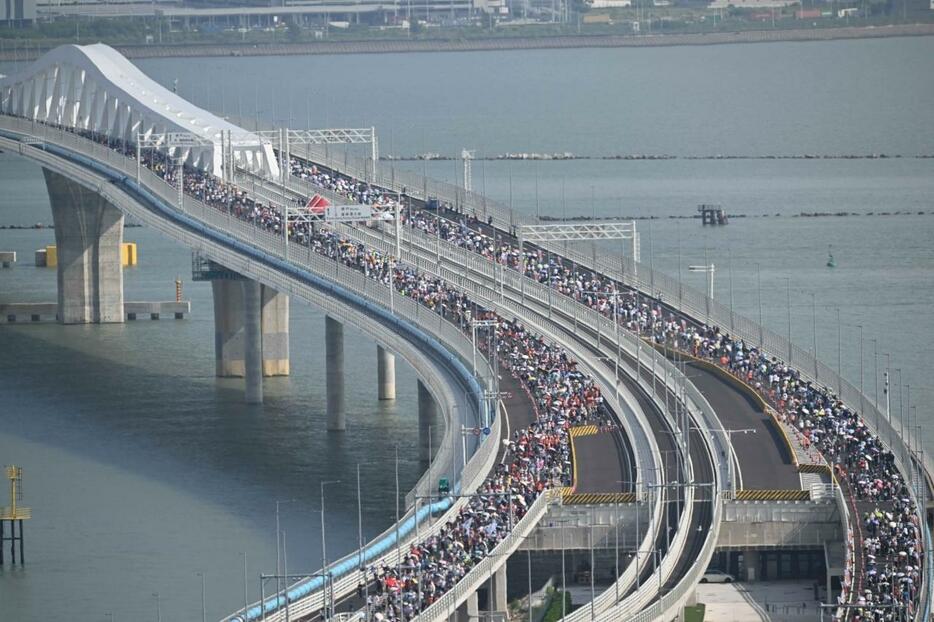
700	409
699	306
915	467
445	606
482	460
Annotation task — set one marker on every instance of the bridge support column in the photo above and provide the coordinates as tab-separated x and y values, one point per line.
275	320
253	341
469	610
427	410
229	329
386	373
498	591
88	235
334	363
751	562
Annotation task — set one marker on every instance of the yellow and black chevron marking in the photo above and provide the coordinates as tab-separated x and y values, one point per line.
598	498
813	468
584	430
772	495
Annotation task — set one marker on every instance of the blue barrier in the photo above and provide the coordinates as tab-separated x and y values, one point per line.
371	551
153	202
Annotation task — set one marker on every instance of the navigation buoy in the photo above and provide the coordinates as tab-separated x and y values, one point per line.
831	262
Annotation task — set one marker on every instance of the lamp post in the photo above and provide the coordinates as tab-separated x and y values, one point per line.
564	587
158	607
204	615
324	550
263	578
246	596
709	269
634	486
279	544
729	432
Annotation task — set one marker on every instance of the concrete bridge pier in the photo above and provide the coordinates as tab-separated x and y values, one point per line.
498	590
385	373
469	610
275	324
334	364
253	341
88	235
229	329
427	411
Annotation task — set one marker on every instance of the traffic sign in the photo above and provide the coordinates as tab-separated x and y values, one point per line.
486	431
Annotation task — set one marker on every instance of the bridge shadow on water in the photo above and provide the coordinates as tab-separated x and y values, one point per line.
155	417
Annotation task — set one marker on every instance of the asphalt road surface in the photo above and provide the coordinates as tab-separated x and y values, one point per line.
763	456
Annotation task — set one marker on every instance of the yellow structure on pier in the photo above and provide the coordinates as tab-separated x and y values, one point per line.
14	511
128	255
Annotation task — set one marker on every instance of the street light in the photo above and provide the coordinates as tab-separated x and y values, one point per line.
564	587
278	543
158	608
204	615
324	550
729	432
709	269
263	578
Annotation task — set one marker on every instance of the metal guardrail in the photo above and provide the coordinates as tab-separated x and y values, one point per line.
480	463
698	305
918	470
446	606
427	244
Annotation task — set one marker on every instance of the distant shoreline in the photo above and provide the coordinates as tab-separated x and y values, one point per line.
509	43
42	226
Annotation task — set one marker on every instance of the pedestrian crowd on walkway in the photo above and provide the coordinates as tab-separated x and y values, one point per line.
891	547
891	575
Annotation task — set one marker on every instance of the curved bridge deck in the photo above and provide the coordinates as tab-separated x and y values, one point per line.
763	460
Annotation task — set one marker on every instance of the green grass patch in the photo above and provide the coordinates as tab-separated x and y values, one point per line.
553	614
694	613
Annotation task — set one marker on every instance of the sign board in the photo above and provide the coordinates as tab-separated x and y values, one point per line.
347	213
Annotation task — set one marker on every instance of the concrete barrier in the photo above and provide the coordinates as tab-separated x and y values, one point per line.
7	258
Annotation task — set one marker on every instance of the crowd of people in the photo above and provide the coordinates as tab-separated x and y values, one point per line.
538	457
891	550
891	571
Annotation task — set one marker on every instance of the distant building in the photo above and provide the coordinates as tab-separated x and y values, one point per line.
610	4
597	18
17	12
752	4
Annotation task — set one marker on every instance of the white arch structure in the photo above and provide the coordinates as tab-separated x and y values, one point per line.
94	88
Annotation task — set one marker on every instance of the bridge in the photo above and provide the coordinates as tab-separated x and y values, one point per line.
611	407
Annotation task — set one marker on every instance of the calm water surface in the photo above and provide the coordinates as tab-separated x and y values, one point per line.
143	469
